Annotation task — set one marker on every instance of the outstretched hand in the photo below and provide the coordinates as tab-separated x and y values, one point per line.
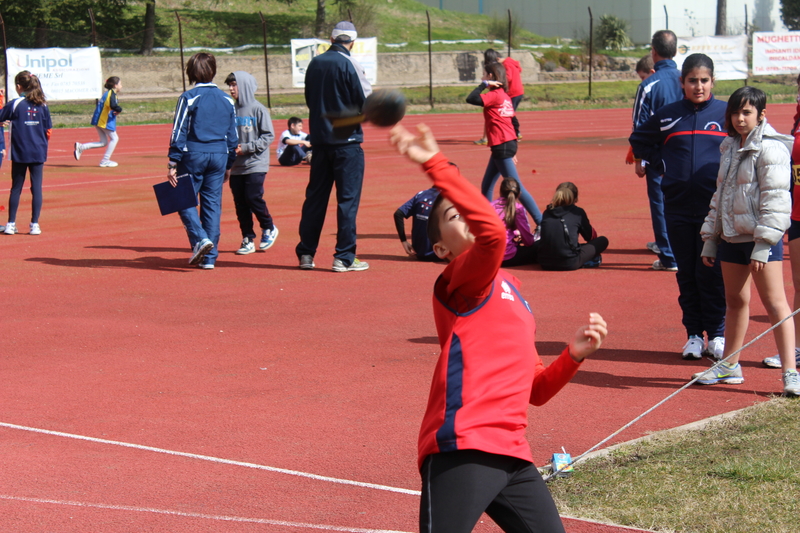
588	338
417	148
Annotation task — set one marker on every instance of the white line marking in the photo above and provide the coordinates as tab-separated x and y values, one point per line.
215	460
200	515
93	182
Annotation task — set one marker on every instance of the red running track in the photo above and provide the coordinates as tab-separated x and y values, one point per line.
143	395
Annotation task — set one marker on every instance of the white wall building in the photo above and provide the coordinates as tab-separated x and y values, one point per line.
570	18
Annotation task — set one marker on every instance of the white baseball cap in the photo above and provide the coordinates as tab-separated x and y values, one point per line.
344	32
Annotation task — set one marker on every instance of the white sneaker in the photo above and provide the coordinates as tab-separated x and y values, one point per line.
715	348
248	247
658	265
775	360
200	250
35	229
11	228
78	151
791	383
694	347
108	164
653	247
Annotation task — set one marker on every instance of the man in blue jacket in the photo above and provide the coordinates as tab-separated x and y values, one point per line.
335	86
660	89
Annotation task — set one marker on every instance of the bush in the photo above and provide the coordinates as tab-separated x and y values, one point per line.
612	34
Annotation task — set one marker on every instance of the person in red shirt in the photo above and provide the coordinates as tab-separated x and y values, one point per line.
473	455
497	113
516	90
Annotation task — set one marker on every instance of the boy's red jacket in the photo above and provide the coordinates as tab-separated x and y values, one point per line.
488	371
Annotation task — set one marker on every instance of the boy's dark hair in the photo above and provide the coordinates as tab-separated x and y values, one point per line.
491	56
665	43
29	83
645	64
112	82
741	97
294	120
201	68
230	80
434	219
498	71
694	61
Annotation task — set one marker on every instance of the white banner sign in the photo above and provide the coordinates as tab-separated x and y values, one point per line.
728	53
65	73
365	51
776	53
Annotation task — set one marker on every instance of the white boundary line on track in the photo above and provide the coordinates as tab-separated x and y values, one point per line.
216	460
91	182
198	515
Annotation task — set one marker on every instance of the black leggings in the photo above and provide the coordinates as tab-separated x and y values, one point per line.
457	487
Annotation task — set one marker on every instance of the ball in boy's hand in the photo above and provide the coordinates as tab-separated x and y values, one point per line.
385	107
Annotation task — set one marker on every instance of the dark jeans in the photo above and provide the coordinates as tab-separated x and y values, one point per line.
656	199
343	166
17	181
248	197
701	290
293	155
457	487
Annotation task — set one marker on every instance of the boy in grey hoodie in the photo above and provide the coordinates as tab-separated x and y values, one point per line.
254	125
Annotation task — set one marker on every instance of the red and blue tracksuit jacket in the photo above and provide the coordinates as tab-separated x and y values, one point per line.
686	137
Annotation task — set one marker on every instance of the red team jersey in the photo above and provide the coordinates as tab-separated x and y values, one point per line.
514	77
497	113
488	370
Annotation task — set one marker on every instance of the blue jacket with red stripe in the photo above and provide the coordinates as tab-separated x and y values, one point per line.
686	137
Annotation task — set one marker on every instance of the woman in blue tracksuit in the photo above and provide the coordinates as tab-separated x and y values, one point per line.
688	134
203	145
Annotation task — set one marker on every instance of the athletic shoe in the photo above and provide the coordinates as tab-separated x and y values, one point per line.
248	247
594	262
775	360
715	348
78	151
481	142
791	383
268	238
657	265
721	374
693	349
11	228
35	229
355	266
537	233
108	164
207	266
307	158
200	250
653	247
307	262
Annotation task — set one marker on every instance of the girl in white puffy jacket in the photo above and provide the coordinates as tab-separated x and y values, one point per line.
744	229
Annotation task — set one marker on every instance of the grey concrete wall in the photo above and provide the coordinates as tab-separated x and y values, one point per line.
162	75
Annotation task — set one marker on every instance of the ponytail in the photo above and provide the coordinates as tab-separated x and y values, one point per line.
509	191
566	194
29	83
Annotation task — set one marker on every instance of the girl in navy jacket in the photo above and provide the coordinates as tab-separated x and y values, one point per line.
688	134
105	121
30	133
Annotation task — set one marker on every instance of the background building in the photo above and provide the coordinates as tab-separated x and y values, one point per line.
570	18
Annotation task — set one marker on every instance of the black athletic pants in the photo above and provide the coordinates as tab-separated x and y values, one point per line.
457	487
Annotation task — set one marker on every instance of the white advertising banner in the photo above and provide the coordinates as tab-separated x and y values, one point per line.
729	54
65	73
365	51
776	52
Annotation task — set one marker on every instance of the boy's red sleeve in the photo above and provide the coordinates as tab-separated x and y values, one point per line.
551	379
470	274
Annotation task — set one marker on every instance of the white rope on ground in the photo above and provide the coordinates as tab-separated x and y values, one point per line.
632	422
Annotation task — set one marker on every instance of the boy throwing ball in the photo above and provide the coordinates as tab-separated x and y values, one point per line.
473	455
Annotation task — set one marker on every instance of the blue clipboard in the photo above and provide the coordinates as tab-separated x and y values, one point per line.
173	199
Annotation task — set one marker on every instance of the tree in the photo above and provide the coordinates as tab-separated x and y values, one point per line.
612	33
319	22
149	37
790	14
722	16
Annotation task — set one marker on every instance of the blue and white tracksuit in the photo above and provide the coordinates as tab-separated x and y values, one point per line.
203	144
660	89
104	120
686	137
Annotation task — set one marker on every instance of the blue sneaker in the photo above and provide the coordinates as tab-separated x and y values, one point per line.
268	238
721	374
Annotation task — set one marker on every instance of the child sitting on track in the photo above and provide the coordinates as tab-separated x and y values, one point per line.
519	239
418	207
473	455
562	223
293	145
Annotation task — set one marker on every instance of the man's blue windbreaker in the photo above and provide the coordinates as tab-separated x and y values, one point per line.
686	137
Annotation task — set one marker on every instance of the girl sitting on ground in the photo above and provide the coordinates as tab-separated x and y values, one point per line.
562	222
519	239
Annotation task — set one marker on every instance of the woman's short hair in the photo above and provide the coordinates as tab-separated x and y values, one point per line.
201	68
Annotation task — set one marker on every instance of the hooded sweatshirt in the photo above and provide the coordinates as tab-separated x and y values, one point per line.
254	126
